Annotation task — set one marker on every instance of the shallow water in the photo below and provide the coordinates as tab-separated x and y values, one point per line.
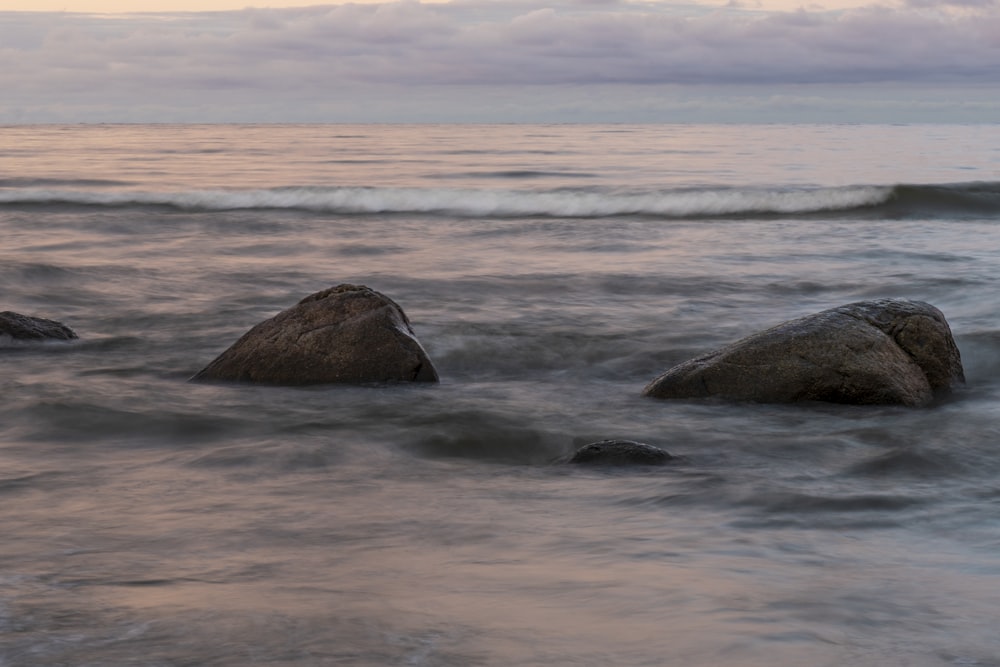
550	272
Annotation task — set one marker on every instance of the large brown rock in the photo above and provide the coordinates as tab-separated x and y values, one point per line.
345	334
27	328
887	351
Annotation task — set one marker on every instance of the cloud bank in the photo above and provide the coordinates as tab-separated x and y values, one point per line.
512	60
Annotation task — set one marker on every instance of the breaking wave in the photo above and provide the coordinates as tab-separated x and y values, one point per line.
963	200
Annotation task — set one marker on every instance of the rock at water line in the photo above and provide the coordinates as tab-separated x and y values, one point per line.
885	351
26	328
344	334
621	453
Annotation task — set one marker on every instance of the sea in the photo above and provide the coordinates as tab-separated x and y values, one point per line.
550	272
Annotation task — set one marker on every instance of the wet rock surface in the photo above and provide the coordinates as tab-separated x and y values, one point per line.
26	328
344	334
886	351
620	453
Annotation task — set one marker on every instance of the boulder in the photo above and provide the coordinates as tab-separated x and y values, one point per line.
345	334
25	328
620	453
886	351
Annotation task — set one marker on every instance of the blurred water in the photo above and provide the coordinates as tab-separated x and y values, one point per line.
149	521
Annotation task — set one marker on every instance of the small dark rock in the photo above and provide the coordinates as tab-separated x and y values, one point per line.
26	328
621	453
345	334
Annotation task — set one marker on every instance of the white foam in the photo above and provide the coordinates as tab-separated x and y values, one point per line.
483	203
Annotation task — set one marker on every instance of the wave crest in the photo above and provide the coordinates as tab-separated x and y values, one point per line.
983	198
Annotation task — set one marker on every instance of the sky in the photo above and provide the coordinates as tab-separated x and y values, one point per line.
730	61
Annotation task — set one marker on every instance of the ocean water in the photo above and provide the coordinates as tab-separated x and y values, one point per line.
550	272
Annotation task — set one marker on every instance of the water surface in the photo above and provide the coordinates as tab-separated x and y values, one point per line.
550	272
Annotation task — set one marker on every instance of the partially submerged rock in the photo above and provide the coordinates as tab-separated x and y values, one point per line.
620	453
345	334
886	351
26	328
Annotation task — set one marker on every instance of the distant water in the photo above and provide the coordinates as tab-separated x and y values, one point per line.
550	272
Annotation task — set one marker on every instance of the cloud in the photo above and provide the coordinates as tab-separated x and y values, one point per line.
933	4
327	56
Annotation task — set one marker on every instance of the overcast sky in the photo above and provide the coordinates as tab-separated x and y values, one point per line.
500	61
